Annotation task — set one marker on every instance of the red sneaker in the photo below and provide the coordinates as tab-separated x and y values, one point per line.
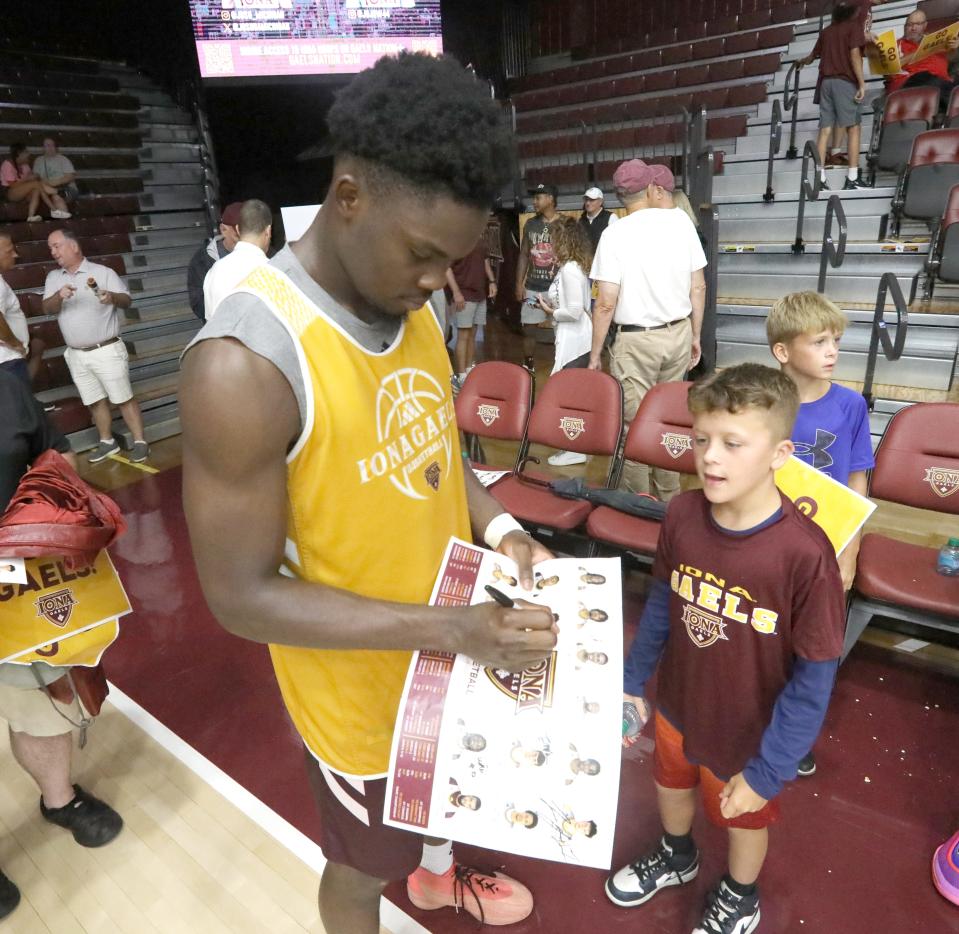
491	899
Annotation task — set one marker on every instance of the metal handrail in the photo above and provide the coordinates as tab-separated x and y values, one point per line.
930	269
832	255
791	105
703	183
709	224
892	348
807	191
687	124
775	140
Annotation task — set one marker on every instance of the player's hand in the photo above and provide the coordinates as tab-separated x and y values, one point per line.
860	94
526	552
512	638
66	292
738	798
644	711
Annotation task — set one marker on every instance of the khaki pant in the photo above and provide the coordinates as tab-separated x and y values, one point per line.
640	360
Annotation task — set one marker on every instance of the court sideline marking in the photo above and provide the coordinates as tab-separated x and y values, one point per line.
391	916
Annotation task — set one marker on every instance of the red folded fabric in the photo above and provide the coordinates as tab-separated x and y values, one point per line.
56	513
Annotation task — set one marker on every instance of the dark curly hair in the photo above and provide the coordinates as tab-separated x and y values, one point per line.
426	122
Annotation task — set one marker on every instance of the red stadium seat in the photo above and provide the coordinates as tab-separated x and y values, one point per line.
917	465
728	70
952	114
578	410
907	113
942	263
661	436
925	183
678	54
495	403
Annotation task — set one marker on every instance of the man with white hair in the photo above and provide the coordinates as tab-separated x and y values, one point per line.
595	217
651	283
931	71
86	298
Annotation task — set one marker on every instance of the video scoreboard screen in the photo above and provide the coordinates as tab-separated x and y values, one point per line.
259	38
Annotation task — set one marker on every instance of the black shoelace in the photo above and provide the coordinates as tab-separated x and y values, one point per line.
465	878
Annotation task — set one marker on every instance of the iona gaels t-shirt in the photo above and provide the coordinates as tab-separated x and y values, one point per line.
742	608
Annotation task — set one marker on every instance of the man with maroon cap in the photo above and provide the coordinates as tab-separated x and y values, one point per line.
214	249
649	268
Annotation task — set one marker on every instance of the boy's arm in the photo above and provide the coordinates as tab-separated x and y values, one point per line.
796	721
650	641
856	55
858	483
813	55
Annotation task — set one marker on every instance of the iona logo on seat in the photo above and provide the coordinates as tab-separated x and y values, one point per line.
676	445
572	427
943	480
414	431
487	413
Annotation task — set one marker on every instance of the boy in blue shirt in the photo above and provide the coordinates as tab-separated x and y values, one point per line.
831	432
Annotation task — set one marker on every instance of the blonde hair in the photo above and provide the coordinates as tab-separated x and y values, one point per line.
749	386
803	313
681	201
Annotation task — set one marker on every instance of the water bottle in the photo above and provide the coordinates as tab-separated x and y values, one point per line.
948	562
632	721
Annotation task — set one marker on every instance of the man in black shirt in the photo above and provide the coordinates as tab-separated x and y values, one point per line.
40	738
595	218
211	251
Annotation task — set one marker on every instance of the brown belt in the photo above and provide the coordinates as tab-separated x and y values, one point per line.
655	327
112	340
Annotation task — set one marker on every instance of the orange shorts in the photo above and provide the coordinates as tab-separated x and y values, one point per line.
672	769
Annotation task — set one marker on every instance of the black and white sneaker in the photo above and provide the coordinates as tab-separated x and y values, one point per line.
638	882
729	913
807	766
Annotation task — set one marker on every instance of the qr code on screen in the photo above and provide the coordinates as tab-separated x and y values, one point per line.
218	57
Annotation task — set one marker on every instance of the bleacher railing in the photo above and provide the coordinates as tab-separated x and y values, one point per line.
775	140
807	190
709	225
211	174
892	348
791	105
832	254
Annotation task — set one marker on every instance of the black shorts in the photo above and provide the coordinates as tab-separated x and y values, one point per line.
352	831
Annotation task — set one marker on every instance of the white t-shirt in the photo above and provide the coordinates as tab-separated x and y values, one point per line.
11	310
227	273
84	320
651	255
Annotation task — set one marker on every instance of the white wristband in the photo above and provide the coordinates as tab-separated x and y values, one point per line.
499	527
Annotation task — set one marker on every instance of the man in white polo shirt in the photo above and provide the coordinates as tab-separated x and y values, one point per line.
651	283
86	297
255	228
14	336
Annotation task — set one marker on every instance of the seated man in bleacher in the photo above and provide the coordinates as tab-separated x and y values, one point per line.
933	70
56	170
86	297
14	336
214	249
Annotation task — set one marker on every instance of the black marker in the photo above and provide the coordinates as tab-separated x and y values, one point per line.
499	596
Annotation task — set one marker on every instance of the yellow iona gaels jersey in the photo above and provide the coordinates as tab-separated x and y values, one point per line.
375	490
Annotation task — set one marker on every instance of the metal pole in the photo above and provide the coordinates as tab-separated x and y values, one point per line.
892	349
807	191
791	104
775	138
831	254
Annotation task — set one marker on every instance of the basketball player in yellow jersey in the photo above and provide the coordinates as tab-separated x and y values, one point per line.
322	474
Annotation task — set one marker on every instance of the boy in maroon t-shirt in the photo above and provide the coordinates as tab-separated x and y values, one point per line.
841	86
745	620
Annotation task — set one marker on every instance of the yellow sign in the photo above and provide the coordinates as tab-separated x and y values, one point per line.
43	616
884	55
937	41
837	510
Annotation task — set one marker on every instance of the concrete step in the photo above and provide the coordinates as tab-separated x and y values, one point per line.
143	262
754	230
166	313
171	220
156	284
880	197
772	285
187	237
776	259
153	97
171	197
163	337
160	420
786	178
165	133
168	115
169	152
172	173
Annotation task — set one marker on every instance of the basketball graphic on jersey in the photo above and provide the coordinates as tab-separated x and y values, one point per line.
415	423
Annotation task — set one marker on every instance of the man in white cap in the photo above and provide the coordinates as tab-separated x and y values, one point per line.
651	283
595	218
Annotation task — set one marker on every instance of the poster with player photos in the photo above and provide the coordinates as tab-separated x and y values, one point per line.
526	762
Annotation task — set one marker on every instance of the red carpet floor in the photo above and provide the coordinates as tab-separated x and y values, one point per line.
851	855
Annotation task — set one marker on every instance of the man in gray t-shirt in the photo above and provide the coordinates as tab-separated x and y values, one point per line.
56	170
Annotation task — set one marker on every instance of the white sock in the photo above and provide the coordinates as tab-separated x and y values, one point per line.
462	375
822	174
437	858
853	172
